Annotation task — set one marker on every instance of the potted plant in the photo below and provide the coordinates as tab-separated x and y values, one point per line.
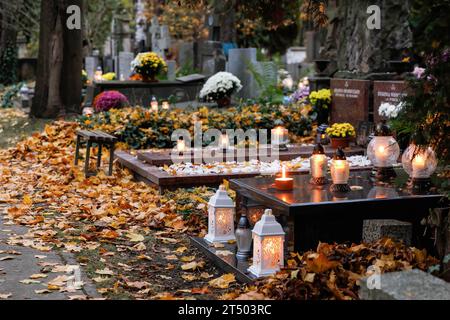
220	87
148	65
340	134
321	102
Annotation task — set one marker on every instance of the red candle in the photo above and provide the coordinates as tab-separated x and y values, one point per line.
284	183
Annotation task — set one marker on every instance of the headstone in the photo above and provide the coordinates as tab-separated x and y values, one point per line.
350	101
186	54
404	285
206	52
171	70
155	31
164	41
376	229
238	62
389	92
125	59
91	64
294	57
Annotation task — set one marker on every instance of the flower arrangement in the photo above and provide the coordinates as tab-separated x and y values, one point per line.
219	86
321	98
148	65
389	110
140	128
108	100
341	130
321	101
300	94
109	76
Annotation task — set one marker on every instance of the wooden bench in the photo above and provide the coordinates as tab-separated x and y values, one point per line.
101	139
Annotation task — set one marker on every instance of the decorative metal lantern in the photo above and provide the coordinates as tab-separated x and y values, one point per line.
221	211
340	172
383	151
322	136
268	246
243	238
318	166
279	137
419	163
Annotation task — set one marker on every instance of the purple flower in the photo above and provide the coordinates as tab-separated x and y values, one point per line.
300	94
109	100
418	72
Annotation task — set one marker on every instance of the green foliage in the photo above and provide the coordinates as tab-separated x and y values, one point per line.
9	95
270	92
425	116
186	69
8	64
140	128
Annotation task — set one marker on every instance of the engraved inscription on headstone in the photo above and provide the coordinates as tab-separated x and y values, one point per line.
350	101
386	92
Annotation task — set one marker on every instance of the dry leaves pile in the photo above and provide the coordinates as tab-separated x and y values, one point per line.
333	271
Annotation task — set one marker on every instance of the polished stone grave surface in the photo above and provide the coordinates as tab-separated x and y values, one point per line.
310	214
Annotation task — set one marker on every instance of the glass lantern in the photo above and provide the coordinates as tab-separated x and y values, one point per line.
383	151
268	246
98	75
318	164
420	163
340	172
154	104
221	211
243	238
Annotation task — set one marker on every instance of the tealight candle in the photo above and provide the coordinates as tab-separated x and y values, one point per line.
418	164
284	183
279	136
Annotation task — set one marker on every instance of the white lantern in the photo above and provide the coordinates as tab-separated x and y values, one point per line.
268	246
221	211
419	162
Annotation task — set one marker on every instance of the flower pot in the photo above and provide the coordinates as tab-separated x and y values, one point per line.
340	142
149	79
224	102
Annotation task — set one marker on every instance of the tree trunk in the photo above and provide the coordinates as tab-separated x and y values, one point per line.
356	48
58	80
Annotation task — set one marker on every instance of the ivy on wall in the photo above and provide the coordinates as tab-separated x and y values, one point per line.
8	64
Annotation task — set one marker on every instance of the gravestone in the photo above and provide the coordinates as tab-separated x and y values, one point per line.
171	70
186	54
125	59
376	229
350	101
155	31
404	285
238	62
91	64
294	57
164	41
386	91
206	53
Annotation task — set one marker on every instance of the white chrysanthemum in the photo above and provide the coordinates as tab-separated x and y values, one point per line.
389	110
221	83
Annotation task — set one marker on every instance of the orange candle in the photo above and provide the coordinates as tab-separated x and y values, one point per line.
284	183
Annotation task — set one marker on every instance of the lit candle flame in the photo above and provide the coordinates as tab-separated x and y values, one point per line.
283	172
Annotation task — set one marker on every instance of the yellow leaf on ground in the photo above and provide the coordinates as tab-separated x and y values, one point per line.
223	282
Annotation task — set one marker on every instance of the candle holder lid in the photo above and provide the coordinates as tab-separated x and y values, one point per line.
383	130
243	222
339	155
318	149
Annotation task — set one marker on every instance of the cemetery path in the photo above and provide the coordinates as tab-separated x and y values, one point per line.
25	273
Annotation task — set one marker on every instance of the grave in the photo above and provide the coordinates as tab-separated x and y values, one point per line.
350	101
386	91
162	157
155	176
294	57
311	214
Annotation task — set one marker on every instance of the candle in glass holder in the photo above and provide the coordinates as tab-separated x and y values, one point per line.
181	145
340	172
98	76
224	141
318	165
418	164
165	105
154	105
284	183
279	136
